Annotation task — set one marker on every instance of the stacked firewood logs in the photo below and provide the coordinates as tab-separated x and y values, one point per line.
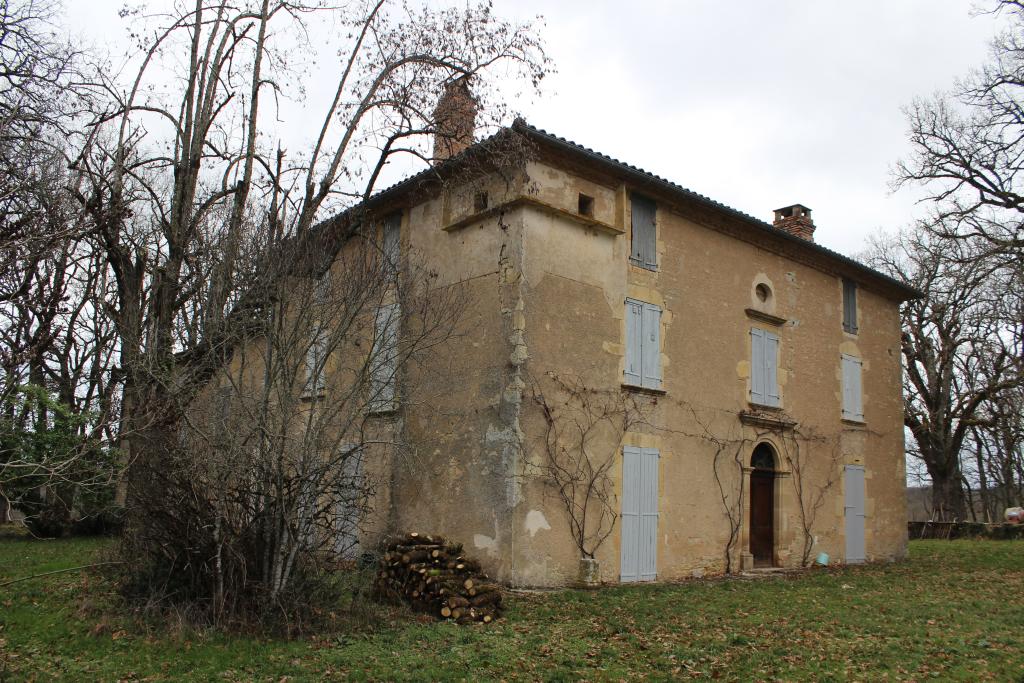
432	575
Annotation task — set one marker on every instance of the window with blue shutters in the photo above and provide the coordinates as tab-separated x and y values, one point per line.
764	368
643	344
322	289
849	306
644	239
316	358
638	555
853	408
384	361
391	244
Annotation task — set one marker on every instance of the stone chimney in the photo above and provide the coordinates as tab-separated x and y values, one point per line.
454	119
796	220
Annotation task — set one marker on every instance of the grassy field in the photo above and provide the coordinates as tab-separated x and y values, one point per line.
953	611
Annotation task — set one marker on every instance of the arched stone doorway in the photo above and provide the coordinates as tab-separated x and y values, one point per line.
762	506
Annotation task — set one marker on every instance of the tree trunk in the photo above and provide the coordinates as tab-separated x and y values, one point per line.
948	501
983	484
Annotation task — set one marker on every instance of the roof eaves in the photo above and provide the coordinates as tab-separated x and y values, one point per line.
522	126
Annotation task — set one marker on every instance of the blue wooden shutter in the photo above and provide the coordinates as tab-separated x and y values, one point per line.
644	232
651	237
858	399
850	306
223	410
316	355
385	358
322	289
771	369
311	367
852	401
650	361
648	546
392	231
390	354
847	388
634	342
757	388
629	519
348	503
853	506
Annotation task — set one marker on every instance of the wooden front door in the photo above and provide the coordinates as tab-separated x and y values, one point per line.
762	516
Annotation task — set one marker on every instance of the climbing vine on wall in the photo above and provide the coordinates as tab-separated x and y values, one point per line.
580	446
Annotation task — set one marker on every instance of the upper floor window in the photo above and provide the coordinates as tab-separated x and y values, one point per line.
384	358
391	244
643	344
316	358
849	306
585	207
644	234
223	411
322	289
853	407
764	364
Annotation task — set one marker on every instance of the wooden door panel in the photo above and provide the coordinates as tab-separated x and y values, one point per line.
762	514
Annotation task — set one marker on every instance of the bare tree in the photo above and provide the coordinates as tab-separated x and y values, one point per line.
272	475
1001	455
968	145
953	344
997	439
213	232
37	100
961	343
56	392
173	171
36	219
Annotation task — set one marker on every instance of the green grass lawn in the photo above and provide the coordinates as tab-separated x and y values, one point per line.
953	611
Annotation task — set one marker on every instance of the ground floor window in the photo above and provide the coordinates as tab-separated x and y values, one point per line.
639	518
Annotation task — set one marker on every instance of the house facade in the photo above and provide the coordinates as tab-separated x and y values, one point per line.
743	381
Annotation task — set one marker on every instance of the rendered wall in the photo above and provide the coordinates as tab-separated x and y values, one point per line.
545	292
578	280
461	407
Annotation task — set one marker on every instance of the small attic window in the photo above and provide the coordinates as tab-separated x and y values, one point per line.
480	202
763	292
586	205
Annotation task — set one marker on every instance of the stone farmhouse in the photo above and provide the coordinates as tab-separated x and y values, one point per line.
745	379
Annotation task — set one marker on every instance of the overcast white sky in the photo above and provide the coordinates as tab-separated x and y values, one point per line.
755	104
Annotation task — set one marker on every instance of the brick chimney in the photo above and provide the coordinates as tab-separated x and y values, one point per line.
454	119
796	220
